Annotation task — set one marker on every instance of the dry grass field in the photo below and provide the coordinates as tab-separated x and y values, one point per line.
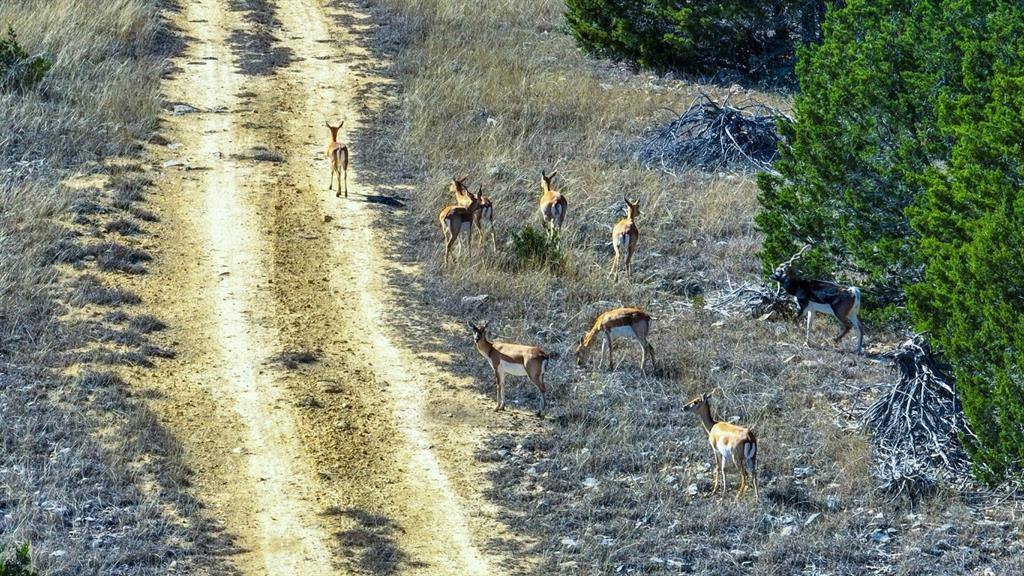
87	476
618	481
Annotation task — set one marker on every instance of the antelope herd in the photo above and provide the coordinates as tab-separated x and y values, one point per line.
729	442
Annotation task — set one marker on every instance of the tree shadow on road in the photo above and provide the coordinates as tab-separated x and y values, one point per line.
371	546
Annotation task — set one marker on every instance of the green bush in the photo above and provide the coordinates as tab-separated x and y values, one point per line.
18	563
754	38
865	131
18	70
971	224
535	248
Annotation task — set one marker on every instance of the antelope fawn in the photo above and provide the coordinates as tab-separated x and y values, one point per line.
728	443
624	238
514	359
456	219
338	154
552	204
629	322
841	302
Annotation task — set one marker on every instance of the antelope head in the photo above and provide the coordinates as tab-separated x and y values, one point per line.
545	180
785	270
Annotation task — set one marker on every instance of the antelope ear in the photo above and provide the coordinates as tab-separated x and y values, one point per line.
552	175
473	326
342	124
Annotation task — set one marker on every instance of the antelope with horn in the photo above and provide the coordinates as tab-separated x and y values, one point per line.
624	238
629	322
515	359
338	155
552	204
728	443
841	302
455	220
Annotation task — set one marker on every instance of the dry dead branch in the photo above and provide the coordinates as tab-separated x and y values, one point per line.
753	300
917	424
713	136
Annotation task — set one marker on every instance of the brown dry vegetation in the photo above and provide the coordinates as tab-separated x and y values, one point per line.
87	475
618	482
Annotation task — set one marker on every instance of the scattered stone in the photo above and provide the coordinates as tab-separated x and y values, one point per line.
567	541
328	218
176	162
880	536
691	489
590	482
474	301
182	109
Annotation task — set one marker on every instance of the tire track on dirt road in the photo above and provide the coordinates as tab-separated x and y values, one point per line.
326	466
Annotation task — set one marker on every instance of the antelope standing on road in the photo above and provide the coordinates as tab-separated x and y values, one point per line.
514	359
552	204
338	155
629	322
624	238
841	302
454	220
728	443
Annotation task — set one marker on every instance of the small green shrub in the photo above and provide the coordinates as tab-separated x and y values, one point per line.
18	70
534	248
18	563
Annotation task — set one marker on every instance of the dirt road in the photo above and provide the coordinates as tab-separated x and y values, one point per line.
309	429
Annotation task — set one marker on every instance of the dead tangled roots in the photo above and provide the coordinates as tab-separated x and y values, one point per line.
713	136
917	425
755	301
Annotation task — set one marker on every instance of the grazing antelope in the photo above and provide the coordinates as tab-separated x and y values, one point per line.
552	204
456	219
630	322
841	302
485	213
624	238
728	443
514	359
338	154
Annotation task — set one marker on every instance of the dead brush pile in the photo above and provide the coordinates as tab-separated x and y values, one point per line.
617	480
917	425
715	136
87	476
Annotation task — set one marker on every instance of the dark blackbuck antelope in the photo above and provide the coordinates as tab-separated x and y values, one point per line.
842	302
516	359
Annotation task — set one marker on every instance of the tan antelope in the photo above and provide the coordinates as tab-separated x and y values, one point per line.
460	190
484	215
454	220
338	154
840	302
729	443
629	322
624	238
552	204
514	359
484	211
